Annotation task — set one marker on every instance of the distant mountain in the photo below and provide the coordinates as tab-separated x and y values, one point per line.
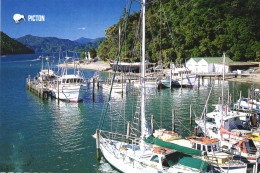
49	44
11	46
83	40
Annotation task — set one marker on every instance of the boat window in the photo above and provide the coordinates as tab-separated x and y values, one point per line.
215	148
75	80
64	80
209	148
204	148
165	163
155	158
67	81
78	80
198	146
71	80
193	145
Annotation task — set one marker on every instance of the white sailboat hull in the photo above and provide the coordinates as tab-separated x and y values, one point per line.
134	161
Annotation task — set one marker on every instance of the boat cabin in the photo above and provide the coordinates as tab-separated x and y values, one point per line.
164	158
204	144
71	79
239	147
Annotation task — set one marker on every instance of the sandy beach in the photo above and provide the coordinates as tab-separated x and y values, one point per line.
251	78
99	65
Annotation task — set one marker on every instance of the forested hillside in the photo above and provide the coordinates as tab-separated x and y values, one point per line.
180	29
11	46
49	44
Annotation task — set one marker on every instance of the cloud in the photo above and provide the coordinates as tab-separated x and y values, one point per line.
82	28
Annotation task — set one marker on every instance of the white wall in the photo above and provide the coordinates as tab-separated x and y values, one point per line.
203	66
192	65
219	68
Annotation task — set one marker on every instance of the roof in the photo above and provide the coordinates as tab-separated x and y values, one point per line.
241	64
196	58
162	150
202	140
212	59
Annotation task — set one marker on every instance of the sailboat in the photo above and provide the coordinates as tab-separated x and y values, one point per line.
131	154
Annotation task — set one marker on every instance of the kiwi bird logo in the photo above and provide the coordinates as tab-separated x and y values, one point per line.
18	17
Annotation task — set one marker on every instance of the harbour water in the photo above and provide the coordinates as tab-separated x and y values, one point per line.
49	136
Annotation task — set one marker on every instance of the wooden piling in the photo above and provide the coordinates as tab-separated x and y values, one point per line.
181	81
122	85
198	82
191	115
152	122
58	90
171	80
98	143
173	120
93	89
240	97
128	132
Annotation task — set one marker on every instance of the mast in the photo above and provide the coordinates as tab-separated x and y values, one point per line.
222	99
143	121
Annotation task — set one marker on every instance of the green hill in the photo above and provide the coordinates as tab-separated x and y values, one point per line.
49	44
11	46
190	28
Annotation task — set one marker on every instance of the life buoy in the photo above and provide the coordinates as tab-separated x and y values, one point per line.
214	129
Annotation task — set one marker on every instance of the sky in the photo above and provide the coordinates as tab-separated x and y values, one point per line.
68	19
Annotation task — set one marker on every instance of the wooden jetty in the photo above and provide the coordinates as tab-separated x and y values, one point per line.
39	89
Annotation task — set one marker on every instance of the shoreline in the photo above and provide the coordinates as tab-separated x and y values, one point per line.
105	67
250	79
99	66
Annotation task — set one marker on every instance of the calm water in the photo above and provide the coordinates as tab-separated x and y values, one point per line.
48	136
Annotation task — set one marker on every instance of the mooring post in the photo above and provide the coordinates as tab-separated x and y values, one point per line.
181	81
93	90
152	121
173	120
122	84
156	81
191	115
58	90
98	143
29	82
128	132
228	99
171	80
198	82
240	97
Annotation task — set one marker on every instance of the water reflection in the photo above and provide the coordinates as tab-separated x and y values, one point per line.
67	125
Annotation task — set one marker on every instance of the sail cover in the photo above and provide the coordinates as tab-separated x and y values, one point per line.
152	140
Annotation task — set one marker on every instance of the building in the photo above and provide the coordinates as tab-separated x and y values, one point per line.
207	64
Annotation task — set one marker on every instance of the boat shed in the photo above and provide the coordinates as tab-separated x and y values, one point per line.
233	66
207	64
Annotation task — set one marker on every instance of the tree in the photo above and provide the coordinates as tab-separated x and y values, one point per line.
82	56
93	52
